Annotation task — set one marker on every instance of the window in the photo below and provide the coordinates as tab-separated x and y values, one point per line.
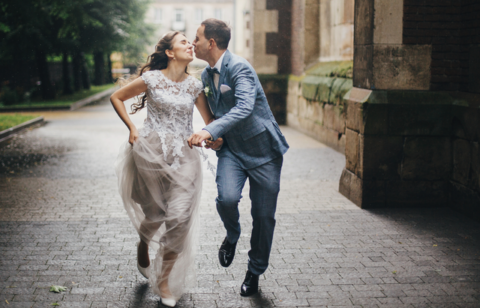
158	14
218	13
247	43
198	15
178	15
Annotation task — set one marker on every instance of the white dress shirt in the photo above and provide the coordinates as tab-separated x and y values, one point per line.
218	66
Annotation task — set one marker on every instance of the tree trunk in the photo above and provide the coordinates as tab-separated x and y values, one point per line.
99	59
48	92
109	73
85	75
77	72
67	82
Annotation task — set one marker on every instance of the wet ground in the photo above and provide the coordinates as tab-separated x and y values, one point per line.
62	223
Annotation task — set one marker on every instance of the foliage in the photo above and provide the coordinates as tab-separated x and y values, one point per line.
341	69
10	120
44	29
57	289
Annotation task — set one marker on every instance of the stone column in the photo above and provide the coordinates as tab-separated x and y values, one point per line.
398	150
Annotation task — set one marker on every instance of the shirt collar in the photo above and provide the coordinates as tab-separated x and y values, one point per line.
218	65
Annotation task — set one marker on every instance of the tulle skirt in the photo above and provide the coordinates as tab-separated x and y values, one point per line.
163	203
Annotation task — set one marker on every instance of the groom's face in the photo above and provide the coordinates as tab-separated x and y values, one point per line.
201	44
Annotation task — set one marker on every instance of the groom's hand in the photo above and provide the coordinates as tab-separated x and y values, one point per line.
197	138
214	145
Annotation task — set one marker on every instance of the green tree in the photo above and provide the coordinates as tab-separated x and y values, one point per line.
34	29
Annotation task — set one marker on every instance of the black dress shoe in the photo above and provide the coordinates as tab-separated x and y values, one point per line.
226	253
249	285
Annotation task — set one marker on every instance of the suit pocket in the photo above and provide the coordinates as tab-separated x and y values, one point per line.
251	131
228	97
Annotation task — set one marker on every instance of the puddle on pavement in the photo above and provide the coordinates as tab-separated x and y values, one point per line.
24	154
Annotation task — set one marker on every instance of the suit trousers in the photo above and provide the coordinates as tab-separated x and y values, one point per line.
264	187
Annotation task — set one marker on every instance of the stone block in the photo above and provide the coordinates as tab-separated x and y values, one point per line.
354	116
293	87
465	122
266	21
362	66
402	193
465	200
405	67
318	113
351	187
292	103
425	119
302	106
462	159
364	14
426	158
352	150
328	116
388	22
380	157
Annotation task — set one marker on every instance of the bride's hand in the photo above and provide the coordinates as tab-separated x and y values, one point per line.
133	135
214	145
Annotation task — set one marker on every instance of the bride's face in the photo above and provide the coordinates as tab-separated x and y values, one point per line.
182	50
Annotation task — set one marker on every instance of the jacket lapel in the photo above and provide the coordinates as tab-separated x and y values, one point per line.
208	81
223	71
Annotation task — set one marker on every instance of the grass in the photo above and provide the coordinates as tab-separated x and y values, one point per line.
11	120
64	101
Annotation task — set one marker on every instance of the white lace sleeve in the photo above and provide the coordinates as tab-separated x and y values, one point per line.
149	79
198	88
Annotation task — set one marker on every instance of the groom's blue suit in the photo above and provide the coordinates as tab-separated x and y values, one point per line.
253	148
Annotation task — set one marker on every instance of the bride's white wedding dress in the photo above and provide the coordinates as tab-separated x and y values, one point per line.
160	178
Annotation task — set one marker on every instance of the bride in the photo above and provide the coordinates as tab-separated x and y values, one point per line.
159	176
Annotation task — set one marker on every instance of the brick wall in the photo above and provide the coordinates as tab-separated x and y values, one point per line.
297	37
451	27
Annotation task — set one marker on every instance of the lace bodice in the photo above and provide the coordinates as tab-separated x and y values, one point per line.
170	110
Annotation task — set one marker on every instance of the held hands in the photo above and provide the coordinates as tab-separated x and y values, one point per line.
133	135
197	138
214	145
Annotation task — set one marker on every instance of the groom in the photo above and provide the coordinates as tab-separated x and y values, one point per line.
253	147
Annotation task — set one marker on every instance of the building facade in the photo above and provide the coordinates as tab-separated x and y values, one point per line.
187	15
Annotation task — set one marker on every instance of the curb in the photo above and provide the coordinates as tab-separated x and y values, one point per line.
10	132
73	106
93	98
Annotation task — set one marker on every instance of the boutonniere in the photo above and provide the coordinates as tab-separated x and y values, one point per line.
207	90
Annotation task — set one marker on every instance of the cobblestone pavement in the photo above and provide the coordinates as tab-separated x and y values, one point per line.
62	223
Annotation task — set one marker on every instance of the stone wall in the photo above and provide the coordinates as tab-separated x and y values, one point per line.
410	140
315	103
412	149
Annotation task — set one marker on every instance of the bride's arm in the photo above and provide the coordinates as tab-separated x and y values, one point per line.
202	106
118	99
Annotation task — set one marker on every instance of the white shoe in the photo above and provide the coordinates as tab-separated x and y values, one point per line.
169	302
143	270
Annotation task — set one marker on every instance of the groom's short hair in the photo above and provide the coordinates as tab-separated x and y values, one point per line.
218	30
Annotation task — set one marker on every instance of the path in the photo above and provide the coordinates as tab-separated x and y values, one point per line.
62	222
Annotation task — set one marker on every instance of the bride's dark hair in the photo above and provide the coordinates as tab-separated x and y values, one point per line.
156	61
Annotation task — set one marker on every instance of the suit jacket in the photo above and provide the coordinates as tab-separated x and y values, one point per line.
243	118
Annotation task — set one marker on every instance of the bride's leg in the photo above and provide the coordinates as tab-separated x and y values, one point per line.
142	249
169	259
